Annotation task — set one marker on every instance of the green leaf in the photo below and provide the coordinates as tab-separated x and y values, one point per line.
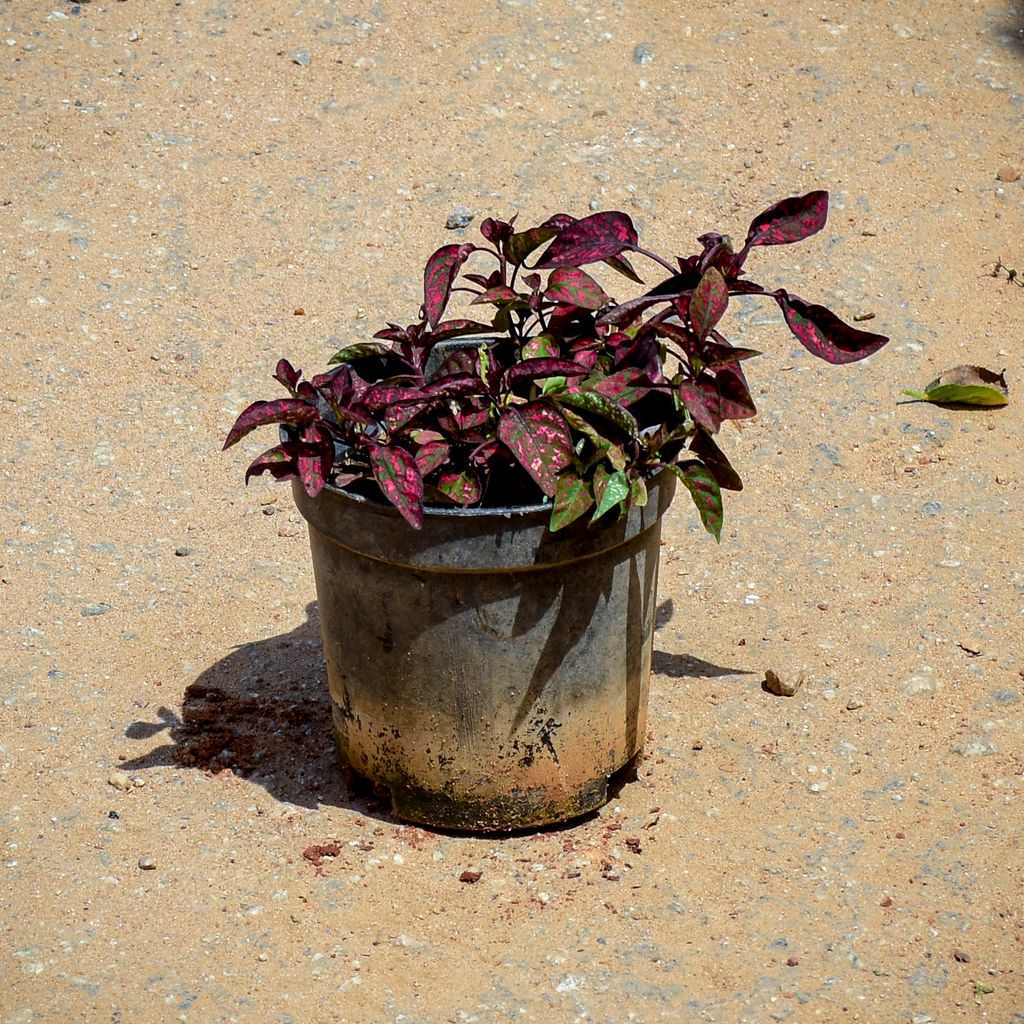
600	405
706	494
520	244
462	488
611	489
352	352
572	499
965	385
543	346
638	492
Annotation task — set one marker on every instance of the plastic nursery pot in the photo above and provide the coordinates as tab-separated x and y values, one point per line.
492	675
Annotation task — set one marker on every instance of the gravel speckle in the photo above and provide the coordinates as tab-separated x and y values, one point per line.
459	218
916	685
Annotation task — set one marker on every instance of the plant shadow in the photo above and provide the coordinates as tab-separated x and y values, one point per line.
263	713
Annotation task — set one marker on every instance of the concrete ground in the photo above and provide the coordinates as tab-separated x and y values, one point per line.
190	190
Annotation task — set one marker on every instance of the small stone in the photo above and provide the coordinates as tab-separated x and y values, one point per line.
470	877
99	608
792	961
916	685
288	530
1008	173
854	703
782	686
183	552
697	745
119	780
975	747
268	510
823	606
459	218
886	902
147	862
301	57
138	782
961	957
133	36
643	53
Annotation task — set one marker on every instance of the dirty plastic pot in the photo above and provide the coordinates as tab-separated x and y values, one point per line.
492	675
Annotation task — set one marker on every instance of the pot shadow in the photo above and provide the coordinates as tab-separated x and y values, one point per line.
264	714
685	666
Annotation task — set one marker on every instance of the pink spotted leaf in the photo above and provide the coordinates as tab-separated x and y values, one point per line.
438	276
706	494
399	479
572	287
590	240
282	410
539	438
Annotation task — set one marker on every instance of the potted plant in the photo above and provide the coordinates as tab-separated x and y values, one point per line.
485	496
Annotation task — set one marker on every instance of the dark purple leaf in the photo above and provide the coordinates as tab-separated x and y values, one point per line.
539	438
259	414
455	384
279	462
495	231
624	267
706	494
537	369
573	497
622	386
380	395
394	333
685	338
625	312
594	238
441	270
573	287
823	334
287	374
643	354
703	445
315	460
714	355
463	488
734	393
399	479
703	402
457	328
789	220
709	302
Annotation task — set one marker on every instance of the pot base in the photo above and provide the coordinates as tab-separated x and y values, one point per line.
511	812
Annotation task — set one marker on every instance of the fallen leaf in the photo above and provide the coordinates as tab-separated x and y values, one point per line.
965	385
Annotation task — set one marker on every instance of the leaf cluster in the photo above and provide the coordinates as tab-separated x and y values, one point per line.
554	393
